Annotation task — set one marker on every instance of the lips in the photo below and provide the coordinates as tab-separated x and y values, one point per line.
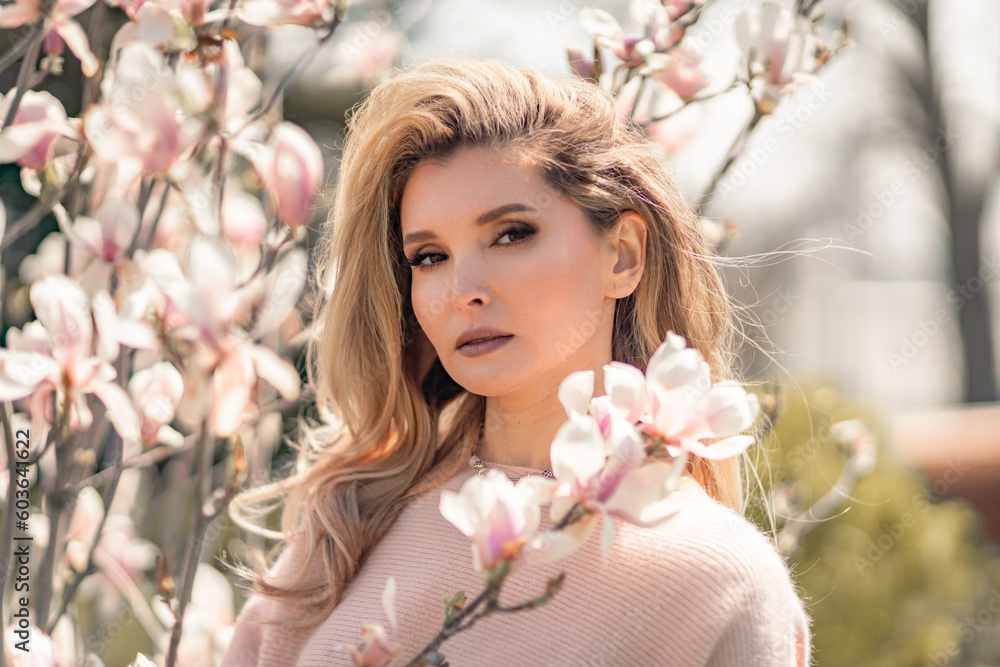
475	334
482	340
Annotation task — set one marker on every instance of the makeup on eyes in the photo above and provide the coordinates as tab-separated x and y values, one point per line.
518	228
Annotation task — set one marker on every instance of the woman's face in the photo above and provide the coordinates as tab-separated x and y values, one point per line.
494	246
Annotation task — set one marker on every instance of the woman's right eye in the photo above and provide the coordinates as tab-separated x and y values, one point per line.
418	260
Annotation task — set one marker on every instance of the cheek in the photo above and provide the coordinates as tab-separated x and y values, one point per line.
429	302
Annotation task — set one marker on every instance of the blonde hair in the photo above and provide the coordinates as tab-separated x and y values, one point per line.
399	425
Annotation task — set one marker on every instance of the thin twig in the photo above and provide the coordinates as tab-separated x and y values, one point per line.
23	76
193	554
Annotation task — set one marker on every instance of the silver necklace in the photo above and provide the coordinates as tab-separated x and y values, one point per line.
480	467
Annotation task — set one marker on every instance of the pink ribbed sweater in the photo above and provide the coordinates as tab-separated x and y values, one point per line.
704	588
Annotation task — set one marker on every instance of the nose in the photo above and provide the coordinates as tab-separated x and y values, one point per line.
469	289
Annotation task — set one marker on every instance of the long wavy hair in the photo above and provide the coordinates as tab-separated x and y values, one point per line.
396	425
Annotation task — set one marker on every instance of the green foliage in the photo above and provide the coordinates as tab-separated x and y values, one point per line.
897	576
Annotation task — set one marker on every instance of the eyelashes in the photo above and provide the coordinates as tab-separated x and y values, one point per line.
521	230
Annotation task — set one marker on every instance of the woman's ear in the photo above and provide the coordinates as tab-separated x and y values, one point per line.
629	244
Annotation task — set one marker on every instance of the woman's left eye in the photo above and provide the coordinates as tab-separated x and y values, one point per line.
520	231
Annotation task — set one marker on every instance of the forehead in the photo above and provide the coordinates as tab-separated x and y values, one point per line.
468	182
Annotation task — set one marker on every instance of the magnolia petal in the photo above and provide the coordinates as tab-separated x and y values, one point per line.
636	497
455	509
536	490
284	288
19	13
106	320
389	599
63	309
578	451
561	504
625	385
599	22
575	392
281	374
22	372
551	546
119	409
119	220
678	466
166	435
77	41
722	449
17	140
729	409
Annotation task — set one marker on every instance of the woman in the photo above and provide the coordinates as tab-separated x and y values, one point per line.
495	230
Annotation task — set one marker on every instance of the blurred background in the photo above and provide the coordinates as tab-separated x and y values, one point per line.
876	321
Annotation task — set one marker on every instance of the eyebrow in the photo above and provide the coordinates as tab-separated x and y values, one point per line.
484	219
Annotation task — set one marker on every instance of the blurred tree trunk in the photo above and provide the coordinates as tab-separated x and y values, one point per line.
964	197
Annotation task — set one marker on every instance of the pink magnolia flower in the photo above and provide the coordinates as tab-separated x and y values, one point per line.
60	22
377	649
55	354
140	126
38	123
606	471
685	407
291	167
156	393
599	458
778	46
681	71
103	240
204	304
630	49
499	516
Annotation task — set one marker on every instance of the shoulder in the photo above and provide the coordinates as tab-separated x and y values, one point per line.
716	576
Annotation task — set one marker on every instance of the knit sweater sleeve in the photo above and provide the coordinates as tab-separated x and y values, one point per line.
258	641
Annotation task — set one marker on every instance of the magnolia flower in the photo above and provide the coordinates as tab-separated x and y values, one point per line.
684	407
499	516
679	70
630	49
55	355
104	239
779	46
39	121
599	459
156	393
204	303
60	22
139	125
291	167
376	649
